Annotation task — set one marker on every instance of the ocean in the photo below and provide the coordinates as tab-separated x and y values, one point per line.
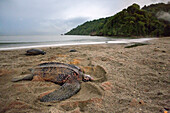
22	42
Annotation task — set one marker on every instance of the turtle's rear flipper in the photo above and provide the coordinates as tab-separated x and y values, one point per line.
66	91
26	77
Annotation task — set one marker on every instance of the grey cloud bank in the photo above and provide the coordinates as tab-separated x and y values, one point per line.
52	17
163	15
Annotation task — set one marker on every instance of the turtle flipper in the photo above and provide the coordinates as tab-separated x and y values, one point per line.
26	77
64	92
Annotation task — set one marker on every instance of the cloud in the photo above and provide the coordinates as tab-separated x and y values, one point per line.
164	1
163	15
59	26
20	17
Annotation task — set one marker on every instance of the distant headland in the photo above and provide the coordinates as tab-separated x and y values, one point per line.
152	20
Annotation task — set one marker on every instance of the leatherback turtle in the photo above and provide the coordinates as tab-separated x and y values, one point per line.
35	52
67	75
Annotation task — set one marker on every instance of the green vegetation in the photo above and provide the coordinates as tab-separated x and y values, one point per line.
132	21
159	10
155	8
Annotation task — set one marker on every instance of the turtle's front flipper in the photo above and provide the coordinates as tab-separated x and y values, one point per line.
26	77
66	91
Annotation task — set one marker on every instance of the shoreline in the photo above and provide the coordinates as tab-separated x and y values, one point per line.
120	41
126	79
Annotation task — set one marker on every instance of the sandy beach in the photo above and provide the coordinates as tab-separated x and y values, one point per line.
127	80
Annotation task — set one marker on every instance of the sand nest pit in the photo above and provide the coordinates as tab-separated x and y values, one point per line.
90	91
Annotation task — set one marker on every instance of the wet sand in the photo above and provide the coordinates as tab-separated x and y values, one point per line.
126	79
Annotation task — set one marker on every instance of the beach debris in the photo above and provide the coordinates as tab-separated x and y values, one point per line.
136	44
67	75
73	50
159	93
35	52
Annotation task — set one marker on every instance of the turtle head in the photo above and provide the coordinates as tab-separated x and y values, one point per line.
87	78
43	53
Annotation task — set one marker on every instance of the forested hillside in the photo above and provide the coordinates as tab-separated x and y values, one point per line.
132	21
162	12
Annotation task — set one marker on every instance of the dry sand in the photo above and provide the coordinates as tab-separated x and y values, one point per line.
127	79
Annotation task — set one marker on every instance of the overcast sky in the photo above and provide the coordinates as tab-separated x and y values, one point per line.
51	17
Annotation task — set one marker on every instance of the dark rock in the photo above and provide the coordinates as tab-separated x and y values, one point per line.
159	93
163	51
73	50
136	44
35	52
